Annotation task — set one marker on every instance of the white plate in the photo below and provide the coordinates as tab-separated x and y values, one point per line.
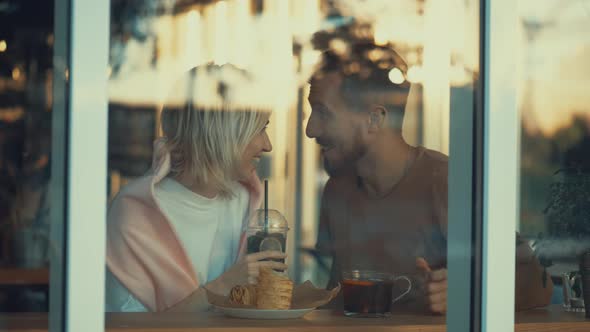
263	313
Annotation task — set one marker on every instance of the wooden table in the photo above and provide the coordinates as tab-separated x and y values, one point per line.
552	319
19	276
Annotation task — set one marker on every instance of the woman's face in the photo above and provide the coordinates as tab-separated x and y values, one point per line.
253	152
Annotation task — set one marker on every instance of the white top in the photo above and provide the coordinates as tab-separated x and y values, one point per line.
209	230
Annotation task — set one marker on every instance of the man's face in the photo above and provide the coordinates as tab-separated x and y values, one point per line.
336	128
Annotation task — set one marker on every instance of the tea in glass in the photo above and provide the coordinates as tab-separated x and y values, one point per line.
369	293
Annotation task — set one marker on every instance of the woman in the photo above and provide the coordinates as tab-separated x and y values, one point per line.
179	231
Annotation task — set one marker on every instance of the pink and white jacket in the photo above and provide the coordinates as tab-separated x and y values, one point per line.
143	250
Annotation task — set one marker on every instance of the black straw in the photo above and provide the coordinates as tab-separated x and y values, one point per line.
265	206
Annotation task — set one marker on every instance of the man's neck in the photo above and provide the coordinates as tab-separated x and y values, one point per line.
384	165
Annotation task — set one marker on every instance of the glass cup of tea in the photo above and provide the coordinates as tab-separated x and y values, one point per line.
370	293
267	231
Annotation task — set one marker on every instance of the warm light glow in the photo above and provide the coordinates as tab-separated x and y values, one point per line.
242	50
412	57
3	45
15	74
339	46
109	71
309	57
193	17
192	41
11	114
221	33
415	74
167	49
396	76
459	76
435	78
381	36
305	17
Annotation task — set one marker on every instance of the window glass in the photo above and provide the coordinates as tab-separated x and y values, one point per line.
26	67
355	150
555	140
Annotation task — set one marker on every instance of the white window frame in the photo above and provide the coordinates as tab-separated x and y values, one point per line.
81	63
501	165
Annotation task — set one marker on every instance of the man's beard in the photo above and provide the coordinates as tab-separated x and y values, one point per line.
331	170
346	164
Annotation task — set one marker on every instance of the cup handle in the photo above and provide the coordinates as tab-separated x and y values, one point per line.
404	293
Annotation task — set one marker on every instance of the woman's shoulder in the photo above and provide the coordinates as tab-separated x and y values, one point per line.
133	202
137	188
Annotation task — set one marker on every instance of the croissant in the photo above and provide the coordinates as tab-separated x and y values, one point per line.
274	290
245	295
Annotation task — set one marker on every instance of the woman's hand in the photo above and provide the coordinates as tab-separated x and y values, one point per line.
243	272
246	270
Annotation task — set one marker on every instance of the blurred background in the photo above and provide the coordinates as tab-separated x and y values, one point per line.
26	44
153	41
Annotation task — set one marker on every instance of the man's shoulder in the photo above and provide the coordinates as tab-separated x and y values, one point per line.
430	172
433	162
434	157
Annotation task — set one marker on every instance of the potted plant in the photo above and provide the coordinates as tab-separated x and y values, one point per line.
568	217
568	207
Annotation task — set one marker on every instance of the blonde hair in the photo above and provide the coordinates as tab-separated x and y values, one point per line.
208	122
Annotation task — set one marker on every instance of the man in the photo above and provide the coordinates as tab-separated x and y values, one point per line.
385	205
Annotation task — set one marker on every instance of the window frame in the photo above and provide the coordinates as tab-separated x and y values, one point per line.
501	166
79	135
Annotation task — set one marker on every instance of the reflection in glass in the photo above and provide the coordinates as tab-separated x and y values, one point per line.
26	47
555	140
428	62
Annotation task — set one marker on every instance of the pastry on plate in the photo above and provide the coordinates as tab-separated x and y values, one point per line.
274	290
245	295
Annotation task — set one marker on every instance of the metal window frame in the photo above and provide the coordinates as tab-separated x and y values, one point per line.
59	166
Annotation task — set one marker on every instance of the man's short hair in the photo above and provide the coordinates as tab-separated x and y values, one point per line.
365	69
